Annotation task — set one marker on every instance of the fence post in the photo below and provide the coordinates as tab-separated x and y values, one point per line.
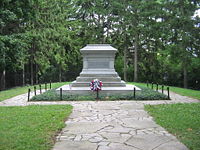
60	93
152	85
40	89
50	84
157	87
29	90
168	92
162	88
147	83
97	98
45	86
134	92
35	90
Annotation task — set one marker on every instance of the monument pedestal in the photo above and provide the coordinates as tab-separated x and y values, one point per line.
98	63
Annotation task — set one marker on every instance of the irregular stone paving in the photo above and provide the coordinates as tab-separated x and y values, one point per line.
111	125
121	125
20	100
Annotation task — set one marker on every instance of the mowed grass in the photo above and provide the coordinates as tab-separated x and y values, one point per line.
21	90
184	92
31	127
182	120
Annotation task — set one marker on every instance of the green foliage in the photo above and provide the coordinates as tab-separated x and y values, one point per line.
54	36
119	65
144	94
48	34
13	43
13	51
182	120
31	127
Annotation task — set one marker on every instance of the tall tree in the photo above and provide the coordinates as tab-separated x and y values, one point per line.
54	36
13	15
182	26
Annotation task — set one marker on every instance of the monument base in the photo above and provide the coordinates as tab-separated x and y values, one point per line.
68	89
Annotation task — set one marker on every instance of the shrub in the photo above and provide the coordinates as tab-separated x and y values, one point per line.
144	94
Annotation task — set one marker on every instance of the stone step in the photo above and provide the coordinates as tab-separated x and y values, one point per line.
103	79
105	84
99	75
105	90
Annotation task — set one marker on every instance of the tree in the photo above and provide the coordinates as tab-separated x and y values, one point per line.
182	26
46	36
54	36
12	42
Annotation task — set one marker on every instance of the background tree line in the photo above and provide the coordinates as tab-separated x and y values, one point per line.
157	40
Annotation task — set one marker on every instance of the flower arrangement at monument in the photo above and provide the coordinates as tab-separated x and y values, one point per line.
95	85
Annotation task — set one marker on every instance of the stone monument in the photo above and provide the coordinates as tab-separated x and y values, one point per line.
98	63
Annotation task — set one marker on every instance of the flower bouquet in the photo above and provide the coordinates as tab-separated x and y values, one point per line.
95	85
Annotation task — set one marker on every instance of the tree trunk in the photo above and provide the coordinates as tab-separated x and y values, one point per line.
3	77
185	83
60	74
23	75
32	59
136	59
125	64
36	74
31	70
3	80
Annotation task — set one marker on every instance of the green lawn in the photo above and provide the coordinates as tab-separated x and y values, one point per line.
185	92
31	127
182	120
21	90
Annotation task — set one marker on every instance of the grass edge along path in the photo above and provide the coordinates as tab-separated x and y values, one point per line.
182	120
22	90
184	92
31	127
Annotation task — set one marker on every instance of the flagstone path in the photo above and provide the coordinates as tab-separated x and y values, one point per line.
111	125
